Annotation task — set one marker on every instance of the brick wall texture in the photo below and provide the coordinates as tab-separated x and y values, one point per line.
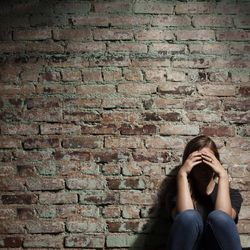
99	98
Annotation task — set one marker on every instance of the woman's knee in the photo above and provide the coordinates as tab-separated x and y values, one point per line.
220	218
189	218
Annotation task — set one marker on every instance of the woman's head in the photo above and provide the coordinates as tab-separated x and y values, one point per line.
201	172
197	143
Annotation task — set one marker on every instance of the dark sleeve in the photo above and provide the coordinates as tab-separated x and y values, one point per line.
236	201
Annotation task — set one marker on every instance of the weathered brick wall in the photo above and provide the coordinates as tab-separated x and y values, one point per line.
98	99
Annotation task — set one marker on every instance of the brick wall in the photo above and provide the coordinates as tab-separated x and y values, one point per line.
98	99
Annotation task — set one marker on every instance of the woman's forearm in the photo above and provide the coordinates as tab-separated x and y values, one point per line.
184	200
223	201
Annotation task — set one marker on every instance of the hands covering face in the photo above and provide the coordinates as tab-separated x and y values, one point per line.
205	155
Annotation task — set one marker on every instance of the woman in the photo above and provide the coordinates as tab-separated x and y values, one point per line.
205	210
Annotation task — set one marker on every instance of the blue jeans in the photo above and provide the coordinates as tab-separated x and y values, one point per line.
189	232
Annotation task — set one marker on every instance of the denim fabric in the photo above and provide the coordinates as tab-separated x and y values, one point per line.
190	232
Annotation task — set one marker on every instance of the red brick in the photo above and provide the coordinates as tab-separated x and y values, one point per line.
132	170
204	117
57	198
124	103
112	75
151	156
195	34
211	48
242	21
154	75
158	7
20	199
83	102
111	169
9	142
72	34
12	47
127	129
96	89
44	241
192	63
241	105
163	103
99	129
71	75
33	143
12	227
127	47
81	116
89	241
46	114
8	184
212	21
244	90
111	211
13	90
137	88
111	60
167	116
34	183
25	213
200	104
83	142
215	90
149	61
72	7
175	88
123	142
179	129
90	75
79	47
89	225
194	8
163	48
45	227
41	102
233	35
154	34
133	74
19	129
112	7
85	182
222	77
105	156
137	198
91	20
236	49
129	20
163	142
238	118
35	34
218	131
233	8
112	34
44	47
11	242
56	88
133	183
171	20
50	129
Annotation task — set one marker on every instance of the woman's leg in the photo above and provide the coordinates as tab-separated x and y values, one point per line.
186	231
221	232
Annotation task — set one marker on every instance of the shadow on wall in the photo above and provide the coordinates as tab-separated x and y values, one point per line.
156	231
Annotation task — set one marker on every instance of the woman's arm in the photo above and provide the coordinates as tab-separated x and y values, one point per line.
184	200
223	200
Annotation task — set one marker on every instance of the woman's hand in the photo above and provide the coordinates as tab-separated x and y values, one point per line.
192	160
210	159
